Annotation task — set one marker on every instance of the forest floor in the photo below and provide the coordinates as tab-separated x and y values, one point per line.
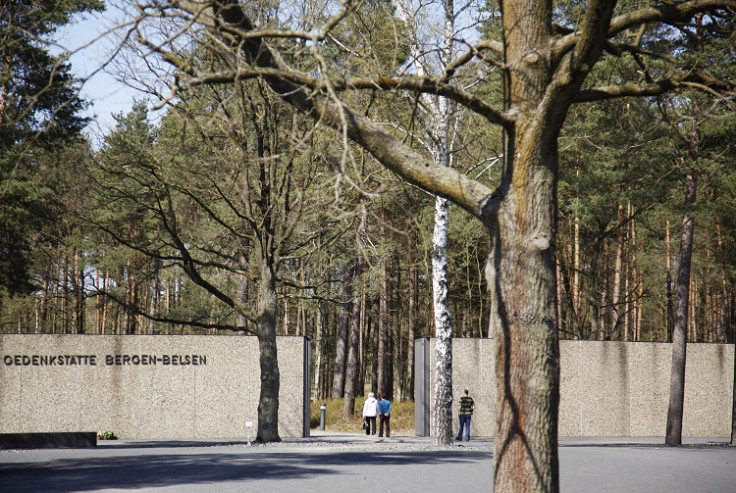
402	416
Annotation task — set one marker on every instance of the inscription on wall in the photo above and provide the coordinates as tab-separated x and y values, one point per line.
56	360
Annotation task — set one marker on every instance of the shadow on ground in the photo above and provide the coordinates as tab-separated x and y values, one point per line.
171	469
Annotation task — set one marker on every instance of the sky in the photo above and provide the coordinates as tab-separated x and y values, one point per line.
106	95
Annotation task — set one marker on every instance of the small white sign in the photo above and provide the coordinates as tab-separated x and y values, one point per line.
249	423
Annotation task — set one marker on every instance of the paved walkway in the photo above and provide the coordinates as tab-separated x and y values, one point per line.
355	463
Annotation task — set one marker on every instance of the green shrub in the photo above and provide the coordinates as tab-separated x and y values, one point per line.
106	435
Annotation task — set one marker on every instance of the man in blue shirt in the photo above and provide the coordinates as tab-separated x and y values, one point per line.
384	414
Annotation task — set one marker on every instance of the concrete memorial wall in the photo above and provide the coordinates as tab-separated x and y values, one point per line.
606	388
147	386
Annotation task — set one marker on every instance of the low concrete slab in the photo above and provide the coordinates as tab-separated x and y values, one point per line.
80	439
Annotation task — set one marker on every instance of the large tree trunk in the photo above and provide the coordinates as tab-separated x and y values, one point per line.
522	272
268	402
679	333
522	258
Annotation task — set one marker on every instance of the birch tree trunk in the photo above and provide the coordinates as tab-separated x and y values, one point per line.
437	128
442	419
318	359
442	416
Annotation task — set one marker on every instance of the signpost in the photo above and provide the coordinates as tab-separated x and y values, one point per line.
249	429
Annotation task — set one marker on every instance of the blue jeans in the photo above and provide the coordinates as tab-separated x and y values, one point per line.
464	423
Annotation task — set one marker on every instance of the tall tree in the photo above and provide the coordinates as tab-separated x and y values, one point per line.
679	333
545	62
223	194
39	110
435	122
697	34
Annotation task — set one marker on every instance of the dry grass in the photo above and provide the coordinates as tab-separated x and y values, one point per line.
402	416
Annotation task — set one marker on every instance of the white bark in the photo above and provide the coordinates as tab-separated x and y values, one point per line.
437	130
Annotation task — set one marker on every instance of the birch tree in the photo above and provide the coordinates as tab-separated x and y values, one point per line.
434	121
545	62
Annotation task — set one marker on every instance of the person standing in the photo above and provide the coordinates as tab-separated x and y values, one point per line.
384	413
370	411
466	412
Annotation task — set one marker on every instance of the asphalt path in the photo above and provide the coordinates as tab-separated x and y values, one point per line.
355	463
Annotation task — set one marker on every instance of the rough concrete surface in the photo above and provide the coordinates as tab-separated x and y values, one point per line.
609	388
356	463
162	387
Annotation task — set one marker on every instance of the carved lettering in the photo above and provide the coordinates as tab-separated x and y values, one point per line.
53	360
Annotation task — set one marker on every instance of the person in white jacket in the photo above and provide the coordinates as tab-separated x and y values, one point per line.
370	411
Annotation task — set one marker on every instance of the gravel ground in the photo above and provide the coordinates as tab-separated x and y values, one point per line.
356	463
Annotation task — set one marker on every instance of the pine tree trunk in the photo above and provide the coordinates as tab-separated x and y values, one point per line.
383	358
576	297
399	361
411	322
363	342
64	279
353	364
42	312
636	284
602	330
558	286
679	336
725	312
668	287
617	274
341	342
